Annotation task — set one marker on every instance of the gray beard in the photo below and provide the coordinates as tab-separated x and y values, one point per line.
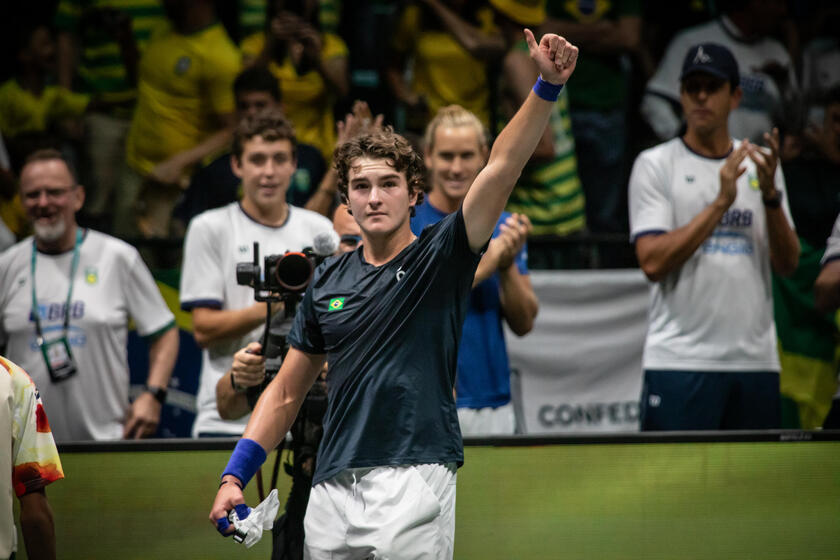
50	234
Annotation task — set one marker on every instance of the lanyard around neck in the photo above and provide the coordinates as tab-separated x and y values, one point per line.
36	316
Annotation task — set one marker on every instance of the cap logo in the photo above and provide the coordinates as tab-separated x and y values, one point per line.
701	57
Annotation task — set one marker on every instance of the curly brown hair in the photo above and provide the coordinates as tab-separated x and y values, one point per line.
269	123
390	146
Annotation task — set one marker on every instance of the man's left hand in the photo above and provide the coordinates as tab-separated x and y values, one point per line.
170	172
143	417
766	163
555	57
515	232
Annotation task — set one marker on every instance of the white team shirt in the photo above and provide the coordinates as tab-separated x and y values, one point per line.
216	240
716	311
762	98
832	245
112	284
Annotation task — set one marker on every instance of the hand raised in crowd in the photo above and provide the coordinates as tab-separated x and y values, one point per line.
554	56
284	26
170	172
730	171
143	417
248	369
359	121
302	40
766	161
311	40
512	237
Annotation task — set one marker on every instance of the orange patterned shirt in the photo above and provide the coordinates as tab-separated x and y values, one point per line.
35	461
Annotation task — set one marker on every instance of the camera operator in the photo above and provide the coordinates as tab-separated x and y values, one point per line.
248	368
248	373
226	315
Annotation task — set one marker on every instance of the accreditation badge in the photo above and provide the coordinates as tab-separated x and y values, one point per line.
59	358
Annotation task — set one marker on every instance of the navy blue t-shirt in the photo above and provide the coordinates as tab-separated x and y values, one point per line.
391	337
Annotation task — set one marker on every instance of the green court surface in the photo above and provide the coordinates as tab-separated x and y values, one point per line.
766	500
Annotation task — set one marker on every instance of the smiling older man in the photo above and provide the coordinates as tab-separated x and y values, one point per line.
66	296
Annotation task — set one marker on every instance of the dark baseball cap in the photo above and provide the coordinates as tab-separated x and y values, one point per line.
714	59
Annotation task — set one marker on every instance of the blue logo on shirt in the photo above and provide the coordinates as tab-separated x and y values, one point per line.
55	311
730	237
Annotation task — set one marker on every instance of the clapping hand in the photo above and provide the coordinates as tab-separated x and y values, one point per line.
513	234
765	162
360	121
730	171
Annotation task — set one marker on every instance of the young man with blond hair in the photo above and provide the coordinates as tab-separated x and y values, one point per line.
455	152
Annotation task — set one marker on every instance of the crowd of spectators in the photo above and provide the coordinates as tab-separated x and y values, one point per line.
138	94
142	99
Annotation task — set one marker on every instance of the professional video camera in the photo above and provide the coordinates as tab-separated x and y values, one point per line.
285	278
281	278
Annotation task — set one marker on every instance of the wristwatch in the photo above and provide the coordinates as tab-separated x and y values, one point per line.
774	201
159	393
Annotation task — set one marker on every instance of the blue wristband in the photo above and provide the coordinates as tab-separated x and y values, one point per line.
247	457
547	91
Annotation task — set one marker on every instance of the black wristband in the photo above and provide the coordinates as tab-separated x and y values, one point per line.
232	481
774	202
237	388
159	393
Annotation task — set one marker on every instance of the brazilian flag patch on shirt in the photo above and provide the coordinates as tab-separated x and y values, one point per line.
91	275
336	304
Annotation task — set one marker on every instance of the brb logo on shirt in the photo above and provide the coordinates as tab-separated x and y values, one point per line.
731	235
52	319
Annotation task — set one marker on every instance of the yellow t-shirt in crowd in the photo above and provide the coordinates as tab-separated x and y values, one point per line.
307	101
21	111
444	72
14	216
184	83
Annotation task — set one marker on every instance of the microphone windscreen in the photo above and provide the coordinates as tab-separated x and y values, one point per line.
325	243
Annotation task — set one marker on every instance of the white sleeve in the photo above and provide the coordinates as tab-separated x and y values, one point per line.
202	281
832	249
659	114
666	80
663	86
649	198
145	304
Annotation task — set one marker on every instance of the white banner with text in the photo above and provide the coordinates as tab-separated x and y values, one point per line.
580	368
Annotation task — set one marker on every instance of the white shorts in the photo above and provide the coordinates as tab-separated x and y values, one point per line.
500	421
394	513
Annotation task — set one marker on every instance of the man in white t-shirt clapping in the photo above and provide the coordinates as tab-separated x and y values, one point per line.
709	219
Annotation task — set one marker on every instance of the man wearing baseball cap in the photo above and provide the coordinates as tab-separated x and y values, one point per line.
709	219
